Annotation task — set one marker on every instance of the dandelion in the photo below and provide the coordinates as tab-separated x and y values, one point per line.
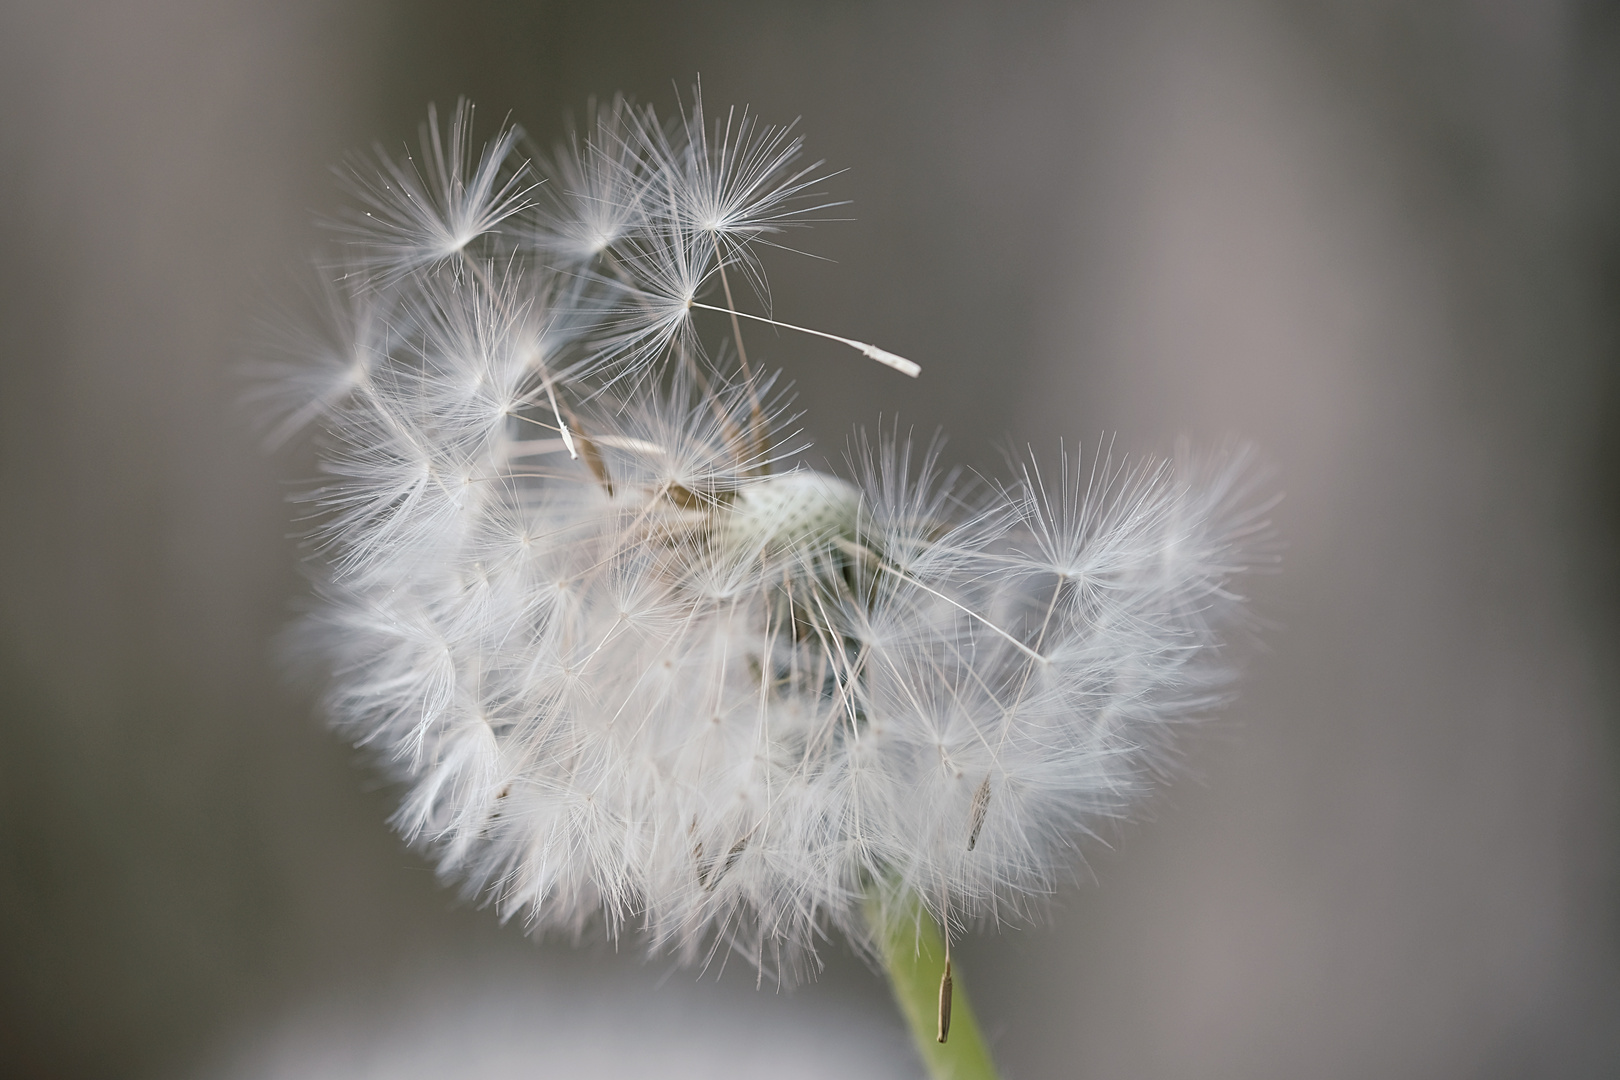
633	664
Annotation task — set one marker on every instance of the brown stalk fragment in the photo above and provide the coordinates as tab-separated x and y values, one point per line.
981	804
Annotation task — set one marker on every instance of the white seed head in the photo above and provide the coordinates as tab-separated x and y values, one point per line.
633	668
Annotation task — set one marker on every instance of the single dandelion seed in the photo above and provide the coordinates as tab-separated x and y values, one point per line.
432	205
636	666
882	356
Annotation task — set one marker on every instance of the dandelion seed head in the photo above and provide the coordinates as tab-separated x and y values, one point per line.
633	663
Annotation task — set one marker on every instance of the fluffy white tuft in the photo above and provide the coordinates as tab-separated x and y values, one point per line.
632	668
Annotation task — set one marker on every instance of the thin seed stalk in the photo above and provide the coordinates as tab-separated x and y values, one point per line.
914	958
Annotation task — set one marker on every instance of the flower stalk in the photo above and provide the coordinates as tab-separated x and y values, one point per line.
917	961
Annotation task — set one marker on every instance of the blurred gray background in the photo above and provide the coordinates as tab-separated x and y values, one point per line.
1379	238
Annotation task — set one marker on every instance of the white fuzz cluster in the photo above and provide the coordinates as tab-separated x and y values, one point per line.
630	662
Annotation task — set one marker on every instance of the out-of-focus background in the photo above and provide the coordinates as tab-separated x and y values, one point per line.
1379	238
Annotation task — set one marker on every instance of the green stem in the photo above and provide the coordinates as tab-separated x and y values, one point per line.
913	955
